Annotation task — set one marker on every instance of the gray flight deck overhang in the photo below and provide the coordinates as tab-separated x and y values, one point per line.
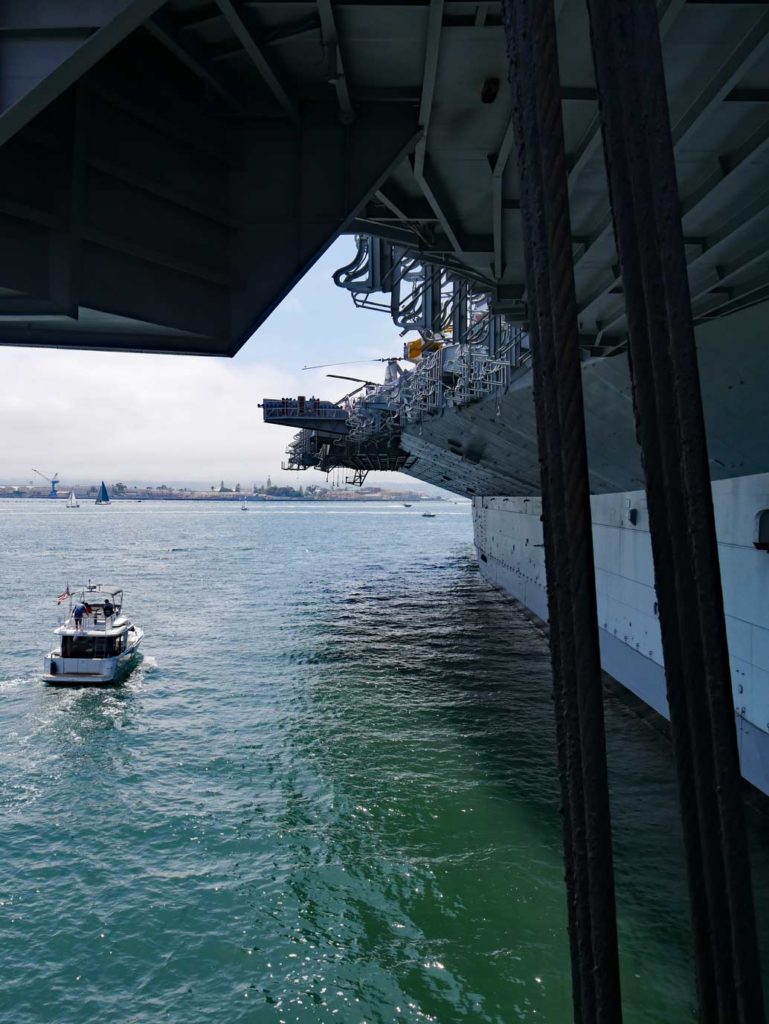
169	171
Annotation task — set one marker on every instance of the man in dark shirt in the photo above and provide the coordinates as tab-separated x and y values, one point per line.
109	611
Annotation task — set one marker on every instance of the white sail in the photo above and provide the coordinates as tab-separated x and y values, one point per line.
72	501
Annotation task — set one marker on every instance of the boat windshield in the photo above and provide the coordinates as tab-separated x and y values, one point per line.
96	594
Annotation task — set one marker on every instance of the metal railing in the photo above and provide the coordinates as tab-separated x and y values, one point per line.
89	622
282	408
450	376
461	374
302	452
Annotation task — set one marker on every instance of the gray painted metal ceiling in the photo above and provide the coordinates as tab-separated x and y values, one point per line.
168	171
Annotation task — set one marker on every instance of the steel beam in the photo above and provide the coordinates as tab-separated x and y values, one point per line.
751	48
727	272
338	76
424	176
219	215
744	218
405	208
754	44
157	257
234	15
192	128
130	15
429	75
438	201
291	30
47	18
200	17
193	56
31	334
66	262
749	152
747	95
736	299
756	146
590	144
404	235
497	180
32	214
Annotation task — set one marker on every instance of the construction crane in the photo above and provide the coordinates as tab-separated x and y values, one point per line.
52	480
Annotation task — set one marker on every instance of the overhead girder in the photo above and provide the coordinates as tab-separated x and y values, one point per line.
168	170
237	20
129	222
713	91
47	46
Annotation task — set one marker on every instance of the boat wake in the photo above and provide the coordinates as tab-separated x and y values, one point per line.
17	683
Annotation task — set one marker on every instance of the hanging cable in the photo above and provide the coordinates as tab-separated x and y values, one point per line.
567	525
670	427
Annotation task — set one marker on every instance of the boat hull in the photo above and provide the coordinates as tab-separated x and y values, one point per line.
508	540
90	671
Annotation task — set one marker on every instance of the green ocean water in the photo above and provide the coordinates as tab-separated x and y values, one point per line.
327	793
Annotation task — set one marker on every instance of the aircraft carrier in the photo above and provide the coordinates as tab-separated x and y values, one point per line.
543	192
457	411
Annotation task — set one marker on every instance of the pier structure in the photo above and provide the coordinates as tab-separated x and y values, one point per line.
588	175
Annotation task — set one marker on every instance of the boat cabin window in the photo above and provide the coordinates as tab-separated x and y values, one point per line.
92	646
80	647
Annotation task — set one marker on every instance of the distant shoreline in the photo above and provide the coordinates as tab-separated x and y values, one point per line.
228	500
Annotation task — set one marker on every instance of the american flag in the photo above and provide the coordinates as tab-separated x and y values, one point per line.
63	596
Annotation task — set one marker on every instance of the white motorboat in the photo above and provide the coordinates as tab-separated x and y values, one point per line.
97	643
72	501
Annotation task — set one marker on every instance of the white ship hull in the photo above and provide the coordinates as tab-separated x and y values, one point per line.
488	451
58	671
508	538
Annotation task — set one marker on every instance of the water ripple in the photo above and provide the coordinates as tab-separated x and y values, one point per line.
326	794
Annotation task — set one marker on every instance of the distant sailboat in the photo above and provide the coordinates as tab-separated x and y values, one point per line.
103	498
244	506
72	501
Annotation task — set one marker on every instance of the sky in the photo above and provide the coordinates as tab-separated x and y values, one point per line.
180	419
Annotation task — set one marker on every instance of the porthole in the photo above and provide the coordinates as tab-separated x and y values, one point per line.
761	530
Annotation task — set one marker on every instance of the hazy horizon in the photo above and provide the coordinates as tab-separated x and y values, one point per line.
393	482
92	416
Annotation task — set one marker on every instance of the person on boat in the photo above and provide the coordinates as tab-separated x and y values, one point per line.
77	614
109	610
